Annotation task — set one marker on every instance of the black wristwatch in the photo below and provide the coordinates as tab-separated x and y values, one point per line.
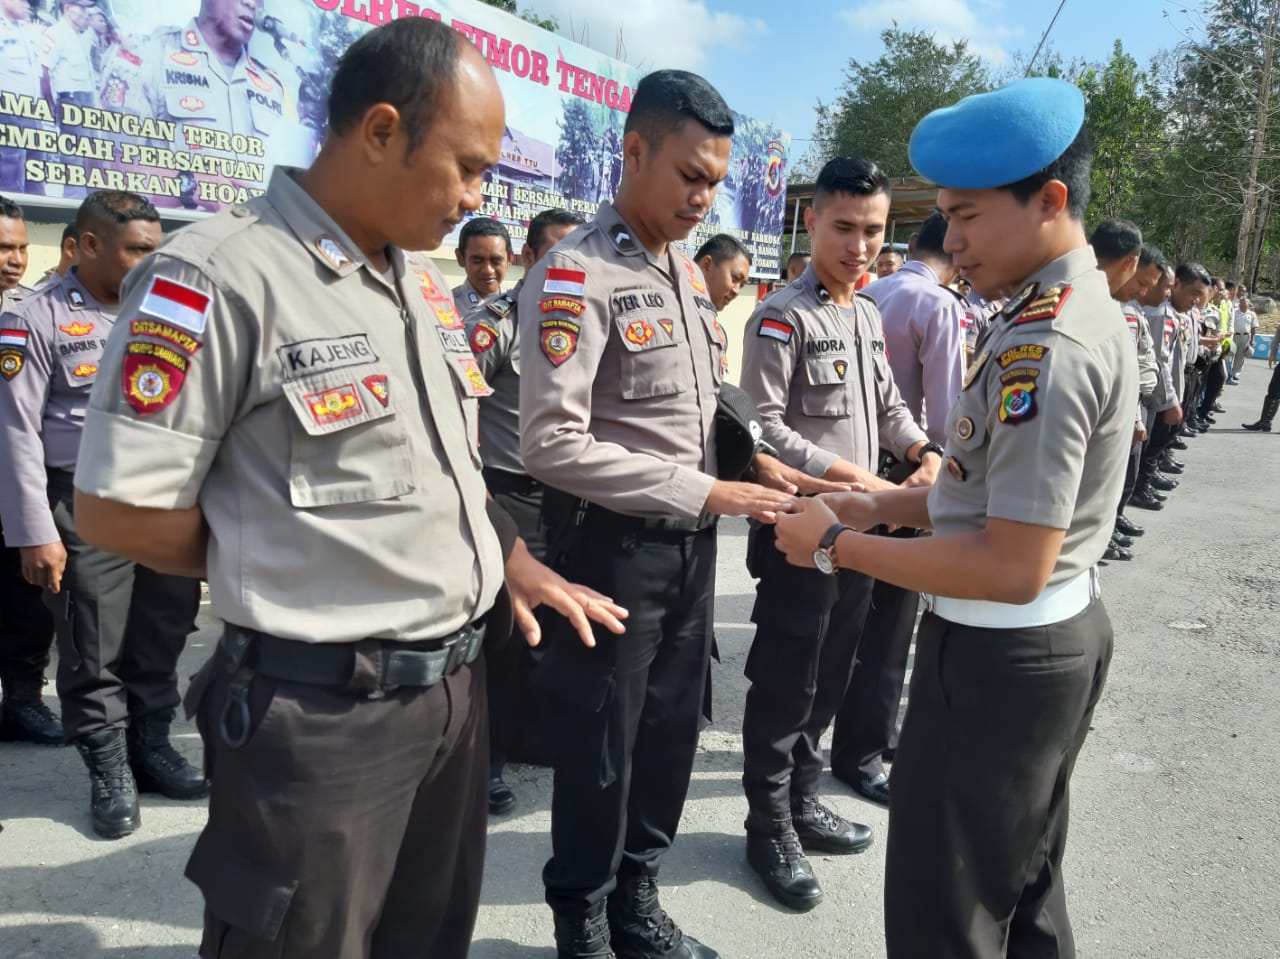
824	557
929	447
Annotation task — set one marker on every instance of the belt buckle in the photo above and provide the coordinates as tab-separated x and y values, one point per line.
457	649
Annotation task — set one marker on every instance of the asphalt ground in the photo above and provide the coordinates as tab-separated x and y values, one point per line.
1174	838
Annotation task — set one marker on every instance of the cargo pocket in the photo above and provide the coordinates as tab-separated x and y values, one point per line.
245	907
347	445
826	392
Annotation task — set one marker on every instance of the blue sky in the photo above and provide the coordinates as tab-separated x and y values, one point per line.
774	60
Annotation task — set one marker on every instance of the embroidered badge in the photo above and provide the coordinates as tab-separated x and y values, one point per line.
75	298
483	337
377	385
1018	402
191	104
11	361
621	238
15	338
964	428
841	368
183	341
150	384
668	326
720	333
1045	307
975	368
160	352
477	385
559	340
332	251
562	304
447	316
695	277
85	370
184	59
192	38
1022	353
500	306
566	282
335	405
639	332
1024	297
776	329
76	329
955	470
178	303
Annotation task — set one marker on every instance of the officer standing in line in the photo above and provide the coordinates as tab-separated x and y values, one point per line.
1166	338
120	627
20	74
1011	660
493	332
618	416
1191	285
484	251
726	266
26	626
813	358
315	454
924	323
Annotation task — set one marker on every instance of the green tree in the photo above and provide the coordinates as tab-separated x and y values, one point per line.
883	100
528	15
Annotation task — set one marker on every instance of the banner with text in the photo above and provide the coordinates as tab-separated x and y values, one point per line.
192	102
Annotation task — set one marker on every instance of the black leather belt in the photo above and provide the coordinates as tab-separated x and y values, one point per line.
597	517
418	664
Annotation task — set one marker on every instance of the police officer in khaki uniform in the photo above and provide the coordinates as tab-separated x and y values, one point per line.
120	627
1011	660
726	266
484	252
623	361
813	358
68	70
315	454
494	335
20	75
26	626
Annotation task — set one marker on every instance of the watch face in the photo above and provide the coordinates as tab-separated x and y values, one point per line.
823	562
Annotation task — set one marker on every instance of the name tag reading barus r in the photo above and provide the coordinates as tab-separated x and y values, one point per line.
318	356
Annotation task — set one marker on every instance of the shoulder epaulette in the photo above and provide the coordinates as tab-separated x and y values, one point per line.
1046	306
501	306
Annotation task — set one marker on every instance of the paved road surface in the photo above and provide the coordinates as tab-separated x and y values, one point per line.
1173	845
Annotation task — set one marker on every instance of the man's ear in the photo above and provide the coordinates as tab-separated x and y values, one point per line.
1053	199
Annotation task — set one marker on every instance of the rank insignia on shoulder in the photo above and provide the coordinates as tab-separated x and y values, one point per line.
955	470
621	238
559	340
483	337
1018	402
1022	353
776	329
1045	307
1024	296
332	251
975	368
75	298
500	307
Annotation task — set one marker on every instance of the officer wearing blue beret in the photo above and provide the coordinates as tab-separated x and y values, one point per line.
1013	651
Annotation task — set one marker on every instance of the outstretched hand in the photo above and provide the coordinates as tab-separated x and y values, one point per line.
532	585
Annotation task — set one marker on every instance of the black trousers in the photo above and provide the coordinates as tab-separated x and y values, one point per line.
1191	390
1214	380
120	630
623	718
344	827
979	808
26	629
867	722
807	630
509	663
1162	434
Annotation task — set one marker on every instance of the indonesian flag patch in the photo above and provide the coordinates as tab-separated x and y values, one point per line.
178	303
565	282
776	329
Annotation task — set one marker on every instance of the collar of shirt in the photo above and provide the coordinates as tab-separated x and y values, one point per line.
918	268
316	230
1064	269
623	237
71	289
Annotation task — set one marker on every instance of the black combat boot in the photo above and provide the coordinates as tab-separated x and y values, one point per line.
641	929
821	829
774	852
113	797
159	767
583	935
24	718
1268	414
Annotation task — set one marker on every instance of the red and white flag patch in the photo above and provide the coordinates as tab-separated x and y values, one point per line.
565	282
178	303
13	338
777	329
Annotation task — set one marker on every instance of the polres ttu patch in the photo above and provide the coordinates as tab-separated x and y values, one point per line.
1018	402
177	303
559	340
150	383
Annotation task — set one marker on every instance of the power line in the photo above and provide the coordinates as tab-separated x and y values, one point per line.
1043	38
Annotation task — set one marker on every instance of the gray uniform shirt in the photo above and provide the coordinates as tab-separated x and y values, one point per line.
465	298
821	378
66	57
1163	327
924	331
321	415
19	58
1041	432
493	332
617	402
42	404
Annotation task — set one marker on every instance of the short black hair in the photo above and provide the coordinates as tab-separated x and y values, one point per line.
666	99
932	235
408	63
856	176
1192	273
1232	284
798	255
112	208
546	219
1151	254
69	232
722	247
482	226
10	210
1115	239
1072	168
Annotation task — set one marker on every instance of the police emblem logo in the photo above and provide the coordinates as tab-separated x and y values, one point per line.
11	362
184	59
639	332
483	337
332	251
377	385
150	384
841	368
191	104
559	340
964	428
335	405
191	38
76	329
975	368
84	370
1018	402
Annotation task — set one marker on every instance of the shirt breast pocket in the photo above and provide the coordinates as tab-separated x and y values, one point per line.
825	386
347	445
650	367
192	102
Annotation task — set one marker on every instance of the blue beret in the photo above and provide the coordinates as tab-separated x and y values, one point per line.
997	138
